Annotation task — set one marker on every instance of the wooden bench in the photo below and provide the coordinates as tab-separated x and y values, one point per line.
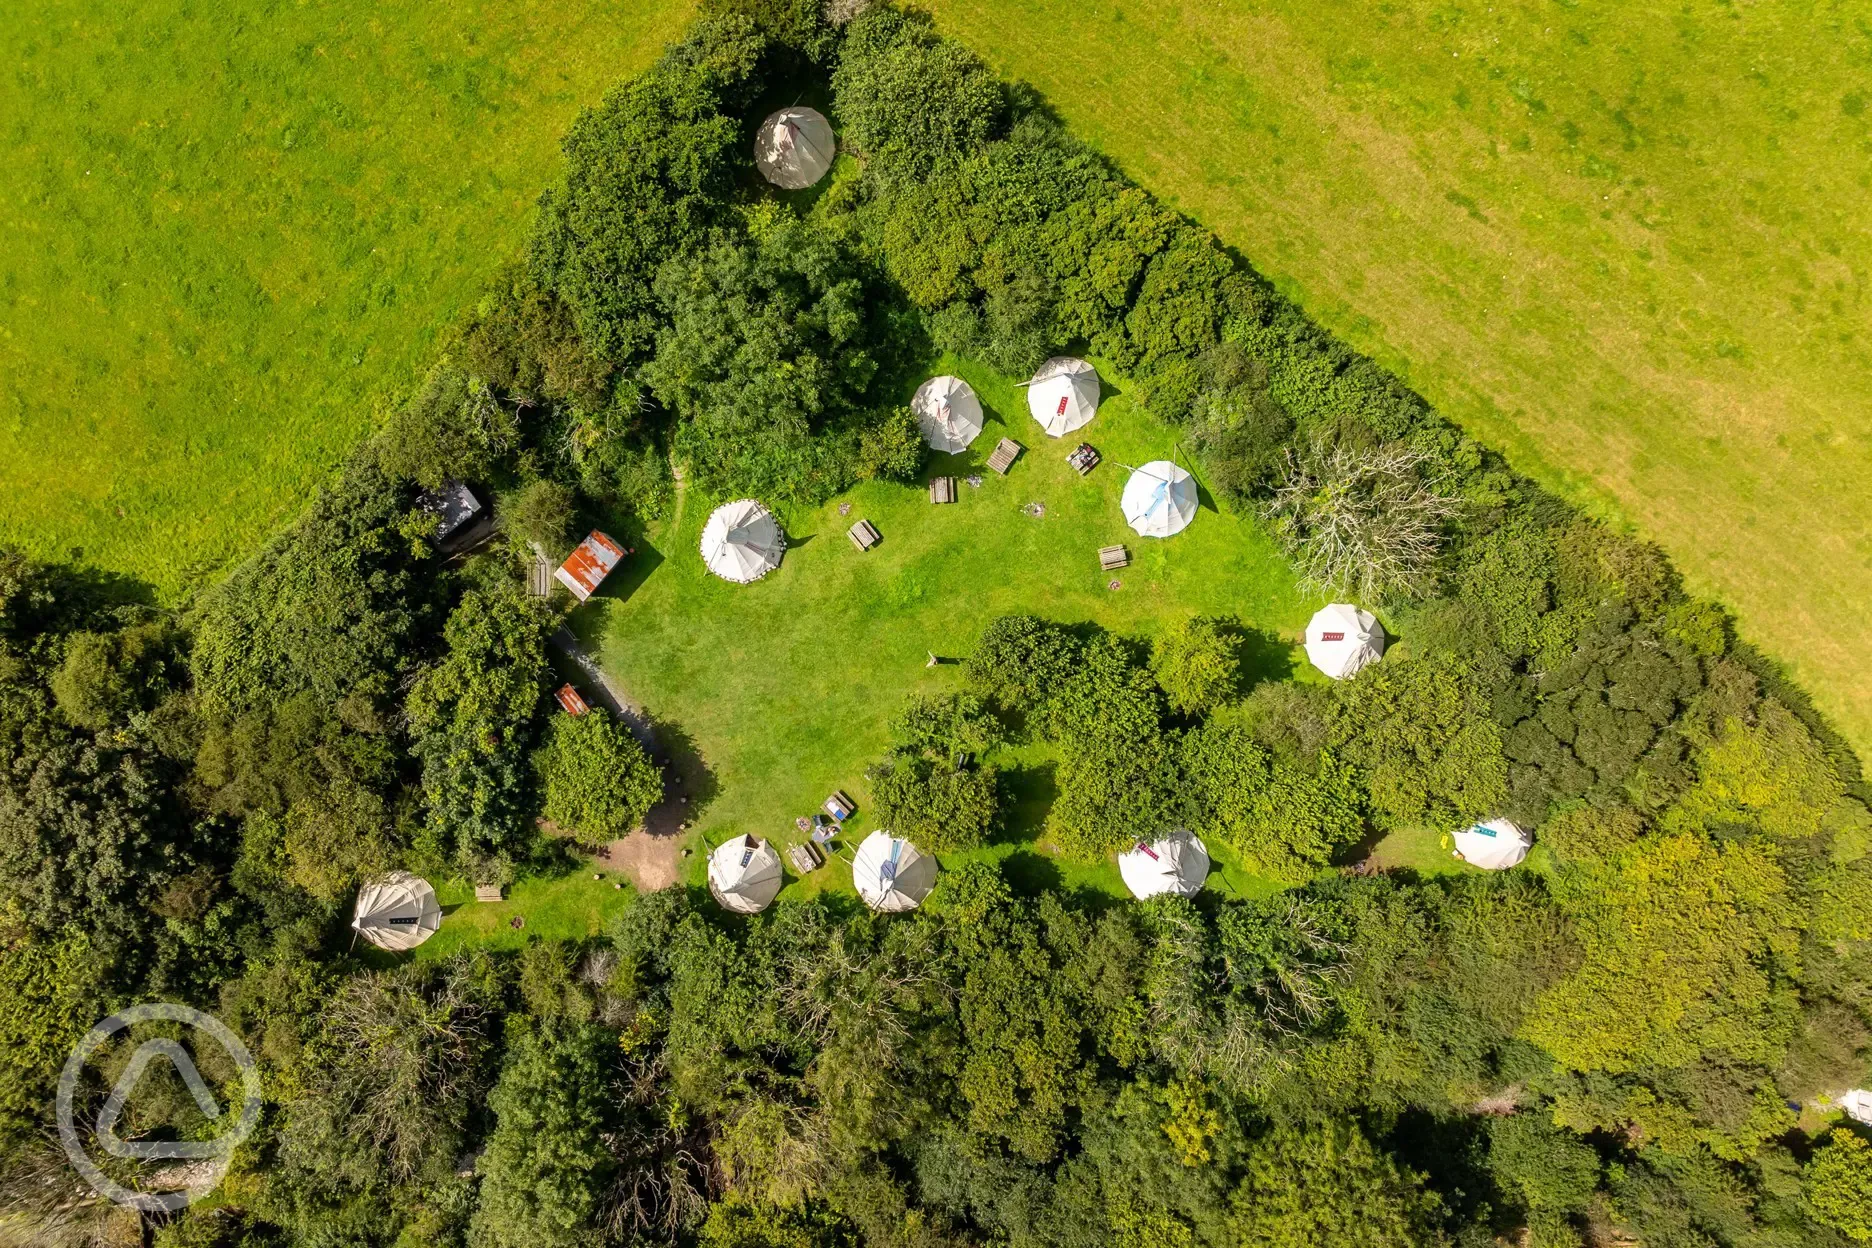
942	490
1111	558
805	858
1083	458
864	535
1004	455
488	892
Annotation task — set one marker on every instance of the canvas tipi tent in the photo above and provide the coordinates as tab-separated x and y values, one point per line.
891	874
1159	499
1175	862
1063	395
742	541
1495	845
948	412
397	912
744	874
1341	639
794	148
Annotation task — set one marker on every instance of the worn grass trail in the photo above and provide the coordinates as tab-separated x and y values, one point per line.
231	225
1628	244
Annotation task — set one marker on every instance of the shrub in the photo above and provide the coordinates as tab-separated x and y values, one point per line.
450	430
891	448
1837	1185
1196	661
1285	820
936	803
1418	731
598	781
647	173
541	513
766	361
523	340
910	101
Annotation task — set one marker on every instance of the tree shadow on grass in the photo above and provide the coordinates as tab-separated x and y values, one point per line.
632	570
689	785
1031	874
1030	793
1262	655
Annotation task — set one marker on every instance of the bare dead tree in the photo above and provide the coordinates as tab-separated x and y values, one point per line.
1367	523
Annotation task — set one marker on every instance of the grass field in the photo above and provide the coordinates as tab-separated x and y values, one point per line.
780	692
1629	244
231	225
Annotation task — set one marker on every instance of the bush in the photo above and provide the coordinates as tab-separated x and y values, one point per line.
891	448
523	340
1837	1185
941	806
766	361
910	101
450	430
1197	663
1287	821
647	174
598	781
541	513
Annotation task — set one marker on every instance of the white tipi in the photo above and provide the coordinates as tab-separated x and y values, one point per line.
1159	499
794	148
948	412
1495	845
1176	862
891	874
1341	639
742	541
745	875
1063	395
397	912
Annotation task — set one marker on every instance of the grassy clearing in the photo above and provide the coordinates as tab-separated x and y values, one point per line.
1629	246
231	225
780	692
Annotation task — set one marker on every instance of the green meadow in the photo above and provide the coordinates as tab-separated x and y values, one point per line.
777	693
1628	244
232	226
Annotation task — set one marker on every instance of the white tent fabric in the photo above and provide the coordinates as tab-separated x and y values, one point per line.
1857	1105
948	412
1341	639
1159	499
1495	845
795	147
891	874
742	541
1175	862
1063	395
397	912
745	874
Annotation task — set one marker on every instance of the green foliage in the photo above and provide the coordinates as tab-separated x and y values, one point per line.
451	429
106	676
1687	944
1837	1184
934	802
1771	773
891	448
1197	664
768	348
1544	1168
332	607
522	340
545	1167
911	102
1418	730
473	716
647	174
49	992
541	512
737	1224
597	780
1287	821
1306	1185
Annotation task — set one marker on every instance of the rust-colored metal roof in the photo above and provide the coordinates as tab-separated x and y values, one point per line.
588	566
569	700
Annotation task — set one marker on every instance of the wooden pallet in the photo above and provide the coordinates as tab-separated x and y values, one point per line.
1004	455
1111	558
